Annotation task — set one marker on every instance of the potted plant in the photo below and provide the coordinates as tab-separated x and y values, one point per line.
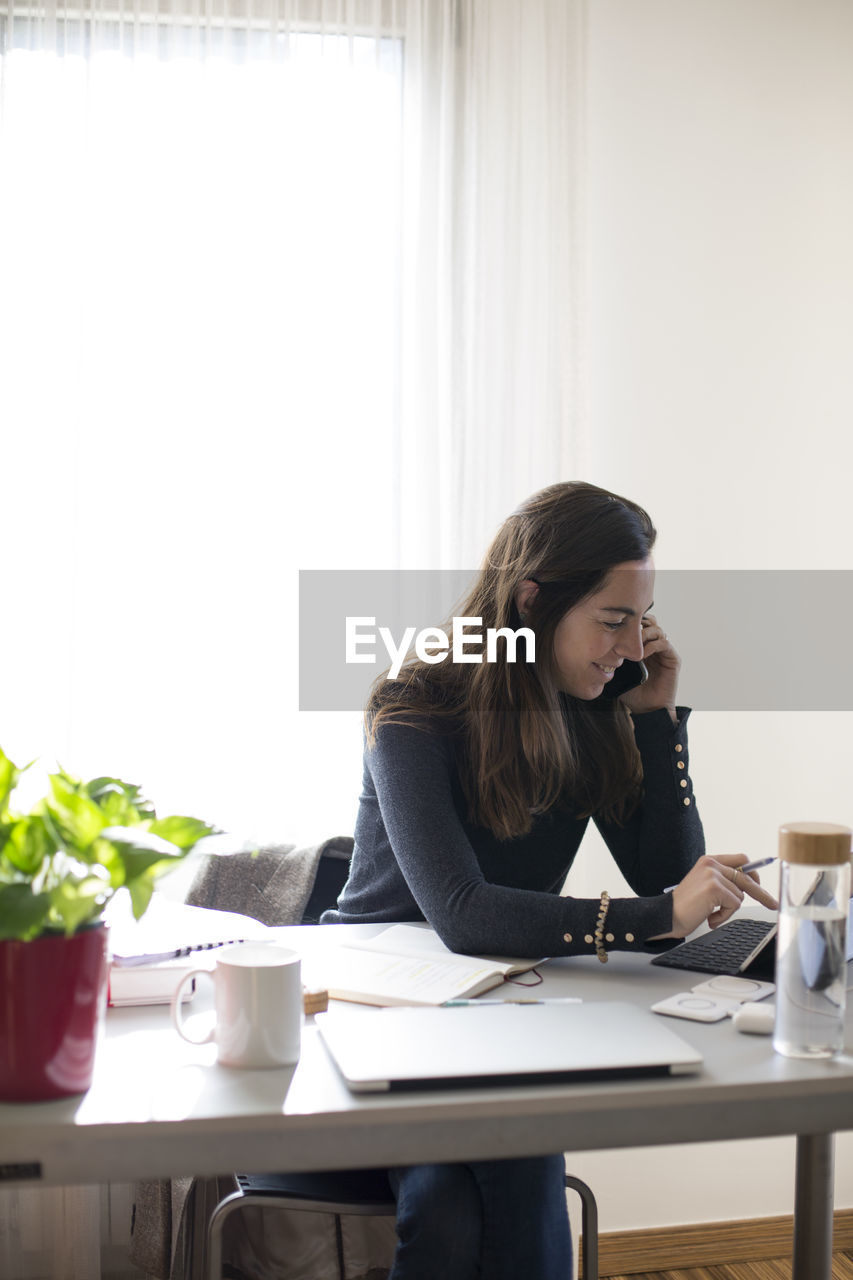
60	864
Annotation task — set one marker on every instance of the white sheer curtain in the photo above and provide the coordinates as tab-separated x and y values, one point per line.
493	403
284	285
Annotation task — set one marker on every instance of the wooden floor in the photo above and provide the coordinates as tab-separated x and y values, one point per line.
774	1269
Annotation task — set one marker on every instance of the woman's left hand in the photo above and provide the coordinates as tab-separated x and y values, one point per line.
664	664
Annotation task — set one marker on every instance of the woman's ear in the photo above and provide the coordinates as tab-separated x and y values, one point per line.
525	593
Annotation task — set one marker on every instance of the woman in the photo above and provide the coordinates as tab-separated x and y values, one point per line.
479	781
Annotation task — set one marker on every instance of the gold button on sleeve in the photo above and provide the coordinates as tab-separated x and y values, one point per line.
588	939
609	937
629	937
567	937
686	800
680	765
683	782
679	748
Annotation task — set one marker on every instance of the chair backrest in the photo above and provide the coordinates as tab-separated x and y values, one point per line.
332	873
276	884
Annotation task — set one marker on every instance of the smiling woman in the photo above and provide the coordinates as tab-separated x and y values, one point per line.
479	782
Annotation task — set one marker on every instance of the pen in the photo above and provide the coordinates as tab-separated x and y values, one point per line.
747	866
463	1004
759	862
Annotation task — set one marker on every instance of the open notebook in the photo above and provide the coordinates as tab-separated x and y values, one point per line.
407	964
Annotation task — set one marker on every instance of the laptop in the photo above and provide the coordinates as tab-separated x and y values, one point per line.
498	1044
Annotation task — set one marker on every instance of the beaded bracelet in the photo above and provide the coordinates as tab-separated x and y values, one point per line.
599	927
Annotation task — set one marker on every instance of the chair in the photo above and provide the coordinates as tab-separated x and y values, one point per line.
365	1192
343	1192
589	1228
362	1191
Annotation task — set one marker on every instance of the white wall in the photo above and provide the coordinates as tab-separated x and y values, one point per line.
719	389
720	273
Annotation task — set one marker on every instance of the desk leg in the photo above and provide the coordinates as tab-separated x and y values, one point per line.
813	1200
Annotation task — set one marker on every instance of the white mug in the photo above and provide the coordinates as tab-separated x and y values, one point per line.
258	1003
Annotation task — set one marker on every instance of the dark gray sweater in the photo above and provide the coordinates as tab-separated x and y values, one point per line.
417	857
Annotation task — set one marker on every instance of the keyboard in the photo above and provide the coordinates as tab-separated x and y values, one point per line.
726	950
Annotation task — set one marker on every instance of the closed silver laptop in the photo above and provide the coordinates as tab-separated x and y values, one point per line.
407	1048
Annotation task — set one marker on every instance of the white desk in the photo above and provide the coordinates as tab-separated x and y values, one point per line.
161	1107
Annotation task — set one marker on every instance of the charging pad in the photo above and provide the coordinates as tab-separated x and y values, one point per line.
724	987
696	1007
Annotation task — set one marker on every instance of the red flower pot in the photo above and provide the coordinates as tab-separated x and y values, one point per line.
53	994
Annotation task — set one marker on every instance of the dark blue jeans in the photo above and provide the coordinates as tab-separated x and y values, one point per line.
488	1220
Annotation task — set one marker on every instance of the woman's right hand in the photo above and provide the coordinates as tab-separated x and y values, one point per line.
713	890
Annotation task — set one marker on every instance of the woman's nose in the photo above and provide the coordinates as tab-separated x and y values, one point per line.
630	644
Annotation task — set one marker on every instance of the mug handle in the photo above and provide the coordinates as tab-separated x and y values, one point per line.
177	1016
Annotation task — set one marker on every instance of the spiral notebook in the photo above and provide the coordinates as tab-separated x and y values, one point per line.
169	930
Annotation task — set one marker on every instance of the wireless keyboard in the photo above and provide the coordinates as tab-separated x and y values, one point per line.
734	948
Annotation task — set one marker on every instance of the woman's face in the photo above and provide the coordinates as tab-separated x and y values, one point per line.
600	633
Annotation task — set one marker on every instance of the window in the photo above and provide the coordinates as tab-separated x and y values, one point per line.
198	340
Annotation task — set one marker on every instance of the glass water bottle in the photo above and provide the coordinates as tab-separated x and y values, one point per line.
811	946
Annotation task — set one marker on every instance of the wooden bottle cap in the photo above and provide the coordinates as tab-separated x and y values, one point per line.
821	844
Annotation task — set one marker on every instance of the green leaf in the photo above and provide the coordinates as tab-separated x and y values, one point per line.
23	914
140	850
5	832
140	895
122	803
9	775
77	818
105	854
184	832
29	845
78	900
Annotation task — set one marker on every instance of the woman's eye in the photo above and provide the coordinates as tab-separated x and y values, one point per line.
614	626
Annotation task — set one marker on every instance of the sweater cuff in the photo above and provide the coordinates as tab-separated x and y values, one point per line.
635	920
665	755
656	726
628	925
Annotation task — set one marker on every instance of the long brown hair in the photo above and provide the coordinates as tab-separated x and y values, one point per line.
525	746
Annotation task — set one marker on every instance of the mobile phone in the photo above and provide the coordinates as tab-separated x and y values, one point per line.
629	676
